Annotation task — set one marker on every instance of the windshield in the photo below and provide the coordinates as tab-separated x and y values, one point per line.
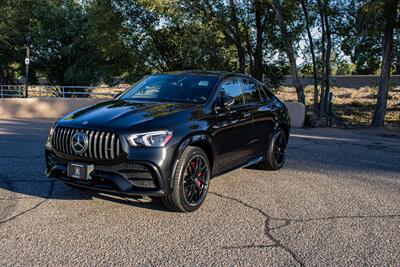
174	88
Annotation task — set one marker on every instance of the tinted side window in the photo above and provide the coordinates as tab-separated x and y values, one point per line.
233	89
265	93
250	91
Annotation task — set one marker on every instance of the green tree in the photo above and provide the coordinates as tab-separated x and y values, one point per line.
60	45
166	39
106	33
17	18
361	31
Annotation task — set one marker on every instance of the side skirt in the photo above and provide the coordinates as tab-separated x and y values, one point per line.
248	163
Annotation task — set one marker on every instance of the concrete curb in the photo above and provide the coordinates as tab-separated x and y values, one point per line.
53	108
297	113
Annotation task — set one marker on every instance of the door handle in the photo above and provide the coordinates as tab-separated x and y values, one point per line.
246	115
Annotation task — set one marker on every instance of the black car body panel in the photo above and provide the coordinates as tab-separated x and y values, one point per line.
231	137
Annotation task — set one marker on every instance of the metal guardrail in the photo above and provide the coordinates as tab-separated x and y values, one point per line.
18	91
11	91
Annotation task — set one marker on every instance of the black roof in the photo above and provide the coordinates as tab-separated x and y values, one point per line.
204	72
217	74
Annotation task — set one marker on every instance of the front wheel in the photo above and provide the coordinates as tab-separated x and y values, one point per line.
190	182
276	152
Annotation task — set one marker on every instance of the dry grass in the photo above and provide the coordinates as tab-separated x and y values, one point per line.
353	106
99	92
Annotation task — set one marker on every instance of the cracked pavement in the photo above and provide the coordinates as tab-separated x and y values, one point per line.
336	202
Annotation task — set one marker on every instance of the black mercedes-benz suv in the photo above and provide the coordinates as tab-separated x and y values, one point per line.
168	135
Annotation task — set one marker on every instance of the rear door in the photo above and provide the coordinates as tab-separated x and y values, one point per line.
235	127
262	111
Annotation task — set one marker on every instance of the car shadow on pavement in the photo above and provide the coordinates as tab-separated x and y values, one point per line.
57	190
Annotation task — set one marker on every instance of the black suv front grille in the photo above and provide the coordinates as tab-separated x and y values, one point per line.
101	144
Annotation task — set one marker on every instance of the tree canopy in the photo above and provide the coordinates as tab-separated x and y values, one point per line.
83	42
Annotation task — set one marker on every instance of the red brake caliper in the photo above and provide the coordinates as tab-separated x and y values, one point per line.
194	166
198	181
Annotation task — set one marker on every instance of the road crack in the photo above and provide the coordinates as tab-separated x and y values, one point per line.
49	196
267	230
287	221
23	212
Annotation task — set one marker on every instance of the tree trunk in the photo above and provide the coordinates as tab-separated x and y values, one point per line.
396	50
289	50
390	13
238	37
322	96
258	54
242	59
250	52
327	57
314	63
2	78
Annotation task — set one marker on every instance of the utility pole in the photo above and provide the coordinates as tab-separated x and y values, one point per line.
28	41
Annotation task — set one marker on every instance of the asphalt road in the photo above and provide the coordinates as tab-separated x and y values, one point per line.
336	202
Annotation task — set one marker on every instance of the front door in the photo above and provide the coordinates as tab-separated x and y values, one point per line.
262	112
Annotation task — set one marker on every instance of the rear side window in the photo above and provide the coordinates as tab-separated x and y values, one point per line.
250	90
233	89
265	93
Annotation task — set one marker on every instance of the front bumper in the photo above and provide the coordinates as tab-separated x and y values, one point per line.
127	177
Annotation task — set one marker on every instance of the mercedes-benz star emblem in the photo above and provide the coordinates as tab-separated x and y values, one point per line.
79	142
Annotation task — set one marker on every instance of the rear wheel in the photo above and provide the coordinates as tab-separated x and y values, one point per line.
190	182
276	152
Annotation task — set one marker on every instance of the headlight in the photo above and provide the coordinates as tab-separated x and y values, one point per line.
150	139
51	131
52	128
48	144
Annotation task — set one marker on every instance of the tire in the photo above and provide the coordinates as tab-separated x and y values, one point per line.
190	181
276	152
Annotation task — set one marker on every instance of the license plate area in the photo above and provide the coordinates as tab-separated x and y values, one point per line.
80	171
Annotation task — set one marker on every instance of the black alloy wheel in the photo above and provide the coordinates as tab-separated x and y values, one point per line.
280	148
190	181
195	182
276	151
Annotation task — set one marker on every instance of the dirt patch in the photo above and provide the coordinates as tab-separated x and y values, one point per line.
353	106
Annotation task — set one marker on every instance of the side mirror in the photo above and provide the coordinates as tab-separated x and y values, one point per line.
225	103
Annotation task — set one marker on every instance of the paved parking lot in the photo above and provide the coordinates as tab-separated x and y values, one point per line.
336	202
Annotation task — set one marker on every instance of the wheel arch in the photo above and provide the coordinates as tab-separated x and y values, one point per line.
201	140
285	128
283	121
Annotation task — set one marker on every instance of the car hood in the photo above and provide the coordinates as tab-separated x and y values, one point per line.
120	114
